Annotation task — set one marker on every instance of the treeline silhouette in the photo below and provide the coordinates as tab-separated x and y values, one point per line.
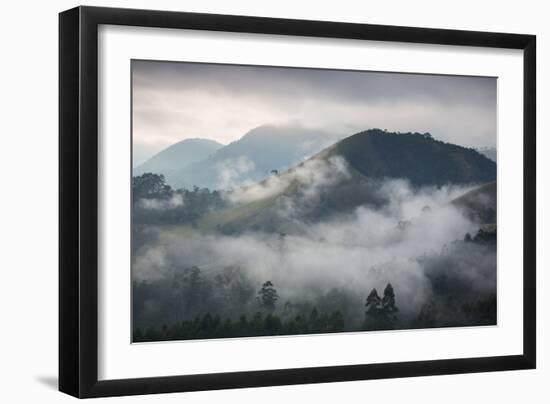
259	324
380	314
155	202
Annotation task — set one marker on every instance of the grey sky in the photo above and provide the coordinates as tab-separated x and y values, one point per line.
173	101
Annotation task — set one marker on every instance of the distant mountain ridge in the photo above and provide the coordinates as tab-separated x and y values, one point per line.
253	157
178	156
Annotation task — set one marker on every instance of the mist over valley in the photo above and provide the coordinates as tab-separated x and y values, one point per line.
286	231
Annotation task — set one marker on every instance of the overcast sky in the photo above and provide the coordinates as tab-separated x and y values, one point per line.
173	101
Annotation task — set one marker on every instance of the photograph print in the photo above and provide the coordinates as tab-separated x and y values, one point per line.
272	201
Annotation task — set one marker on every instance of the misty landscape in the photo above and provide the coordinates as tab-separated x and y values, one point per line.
290	228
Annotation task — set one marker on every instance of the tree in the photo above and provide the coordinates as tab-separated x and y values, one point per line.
149	185
388	301
373	303
336	322
272	325
380	313
196	290
243	327
427	317
268	296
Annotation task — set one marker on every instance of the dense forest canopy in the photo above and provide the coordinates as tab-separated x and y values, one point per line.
418	157
155	202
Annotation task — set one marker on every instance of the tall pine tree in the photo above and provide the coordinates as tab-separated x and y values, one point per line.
380	312
268	296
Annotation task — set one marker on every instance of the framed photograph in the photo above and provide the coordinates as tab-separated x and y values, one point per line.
251	201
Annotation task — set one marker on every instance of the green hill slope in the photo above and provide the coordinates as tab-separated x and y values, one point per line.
480	204
414	156
344	176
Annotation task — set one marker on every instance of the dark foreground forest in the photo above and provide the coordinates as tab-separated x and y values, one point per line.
380	313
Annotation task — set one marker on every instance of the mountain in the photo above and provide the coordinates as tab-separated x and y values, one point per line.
177	156
346	175
480	204
489	152
253	157
414	156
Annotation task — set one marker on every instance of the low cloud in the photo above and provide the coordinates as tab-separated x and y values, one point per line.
405	240
232	172
175	201
310	177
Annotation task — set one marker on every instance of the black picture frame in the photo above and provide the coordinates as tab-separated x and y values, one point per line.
78	201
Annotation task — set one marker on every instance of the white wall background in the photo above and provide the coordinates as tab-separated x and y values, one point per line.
28	222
